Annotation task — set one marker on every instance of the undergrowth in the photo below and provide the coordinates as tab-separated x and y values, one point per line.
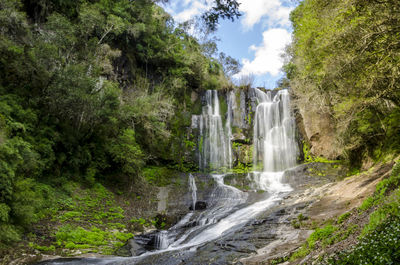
89	221
379	239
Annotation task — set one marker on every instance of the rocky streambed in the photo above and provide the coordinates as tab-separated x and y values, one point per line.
317	195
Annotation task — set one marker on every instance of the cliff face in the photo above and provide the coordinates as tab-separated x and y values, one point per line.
316	127
318	131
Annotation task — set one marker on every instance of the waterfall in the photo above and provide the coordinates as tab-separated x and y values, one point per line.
161	240
231	101
274	140
214	142
193	188
274	132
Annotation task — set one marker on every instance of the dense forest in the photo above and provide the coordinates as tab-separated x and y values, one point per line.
92	91
96	98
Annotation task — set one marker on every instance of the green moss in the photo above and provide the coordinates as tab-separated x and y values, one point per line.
71	237
309	158
160	176
42	248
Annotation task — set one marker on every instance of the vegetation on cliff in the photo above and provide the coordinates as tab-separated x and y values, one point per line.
343	66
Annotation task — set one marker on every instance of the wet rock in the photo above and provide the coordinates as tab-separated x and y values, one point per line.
238	246
131	248
135	249
146	241
200	205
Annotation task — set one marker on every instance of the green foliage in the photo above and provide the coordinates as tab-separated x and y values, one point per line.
127	152
160	176
343	217
324	235
300	253
379	247
383	188
241	168
378	241
343	65
321	234
90	91
80	238
298	222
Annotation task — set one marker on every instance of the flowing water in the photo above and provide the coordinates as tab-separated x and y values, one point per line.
214	143
193	188
228	208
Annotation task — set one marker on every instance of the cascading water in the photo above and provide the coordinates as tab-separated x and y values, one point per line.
274	140
275	146
161	240
274	132
214	143
193	188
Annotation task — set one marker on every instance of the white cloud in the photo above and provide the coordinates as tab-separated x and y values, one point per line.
268	55
270	12
184	10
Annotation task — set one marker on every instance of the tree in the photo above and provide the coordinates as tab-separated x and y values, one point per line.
222	9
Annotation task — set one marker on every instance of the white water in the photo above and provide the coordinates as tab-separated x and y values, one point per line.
222	201
214	143
162	240
231	101
274	132
193	188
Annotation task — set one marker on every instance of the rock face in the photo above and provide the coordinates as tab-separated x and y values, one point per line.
317	128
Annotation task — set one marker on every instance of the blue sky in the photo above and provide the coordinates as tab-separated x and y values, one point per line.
257	39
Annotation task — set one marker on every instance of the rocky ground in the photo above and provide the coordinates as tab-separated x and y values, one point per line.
322	192
312	207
